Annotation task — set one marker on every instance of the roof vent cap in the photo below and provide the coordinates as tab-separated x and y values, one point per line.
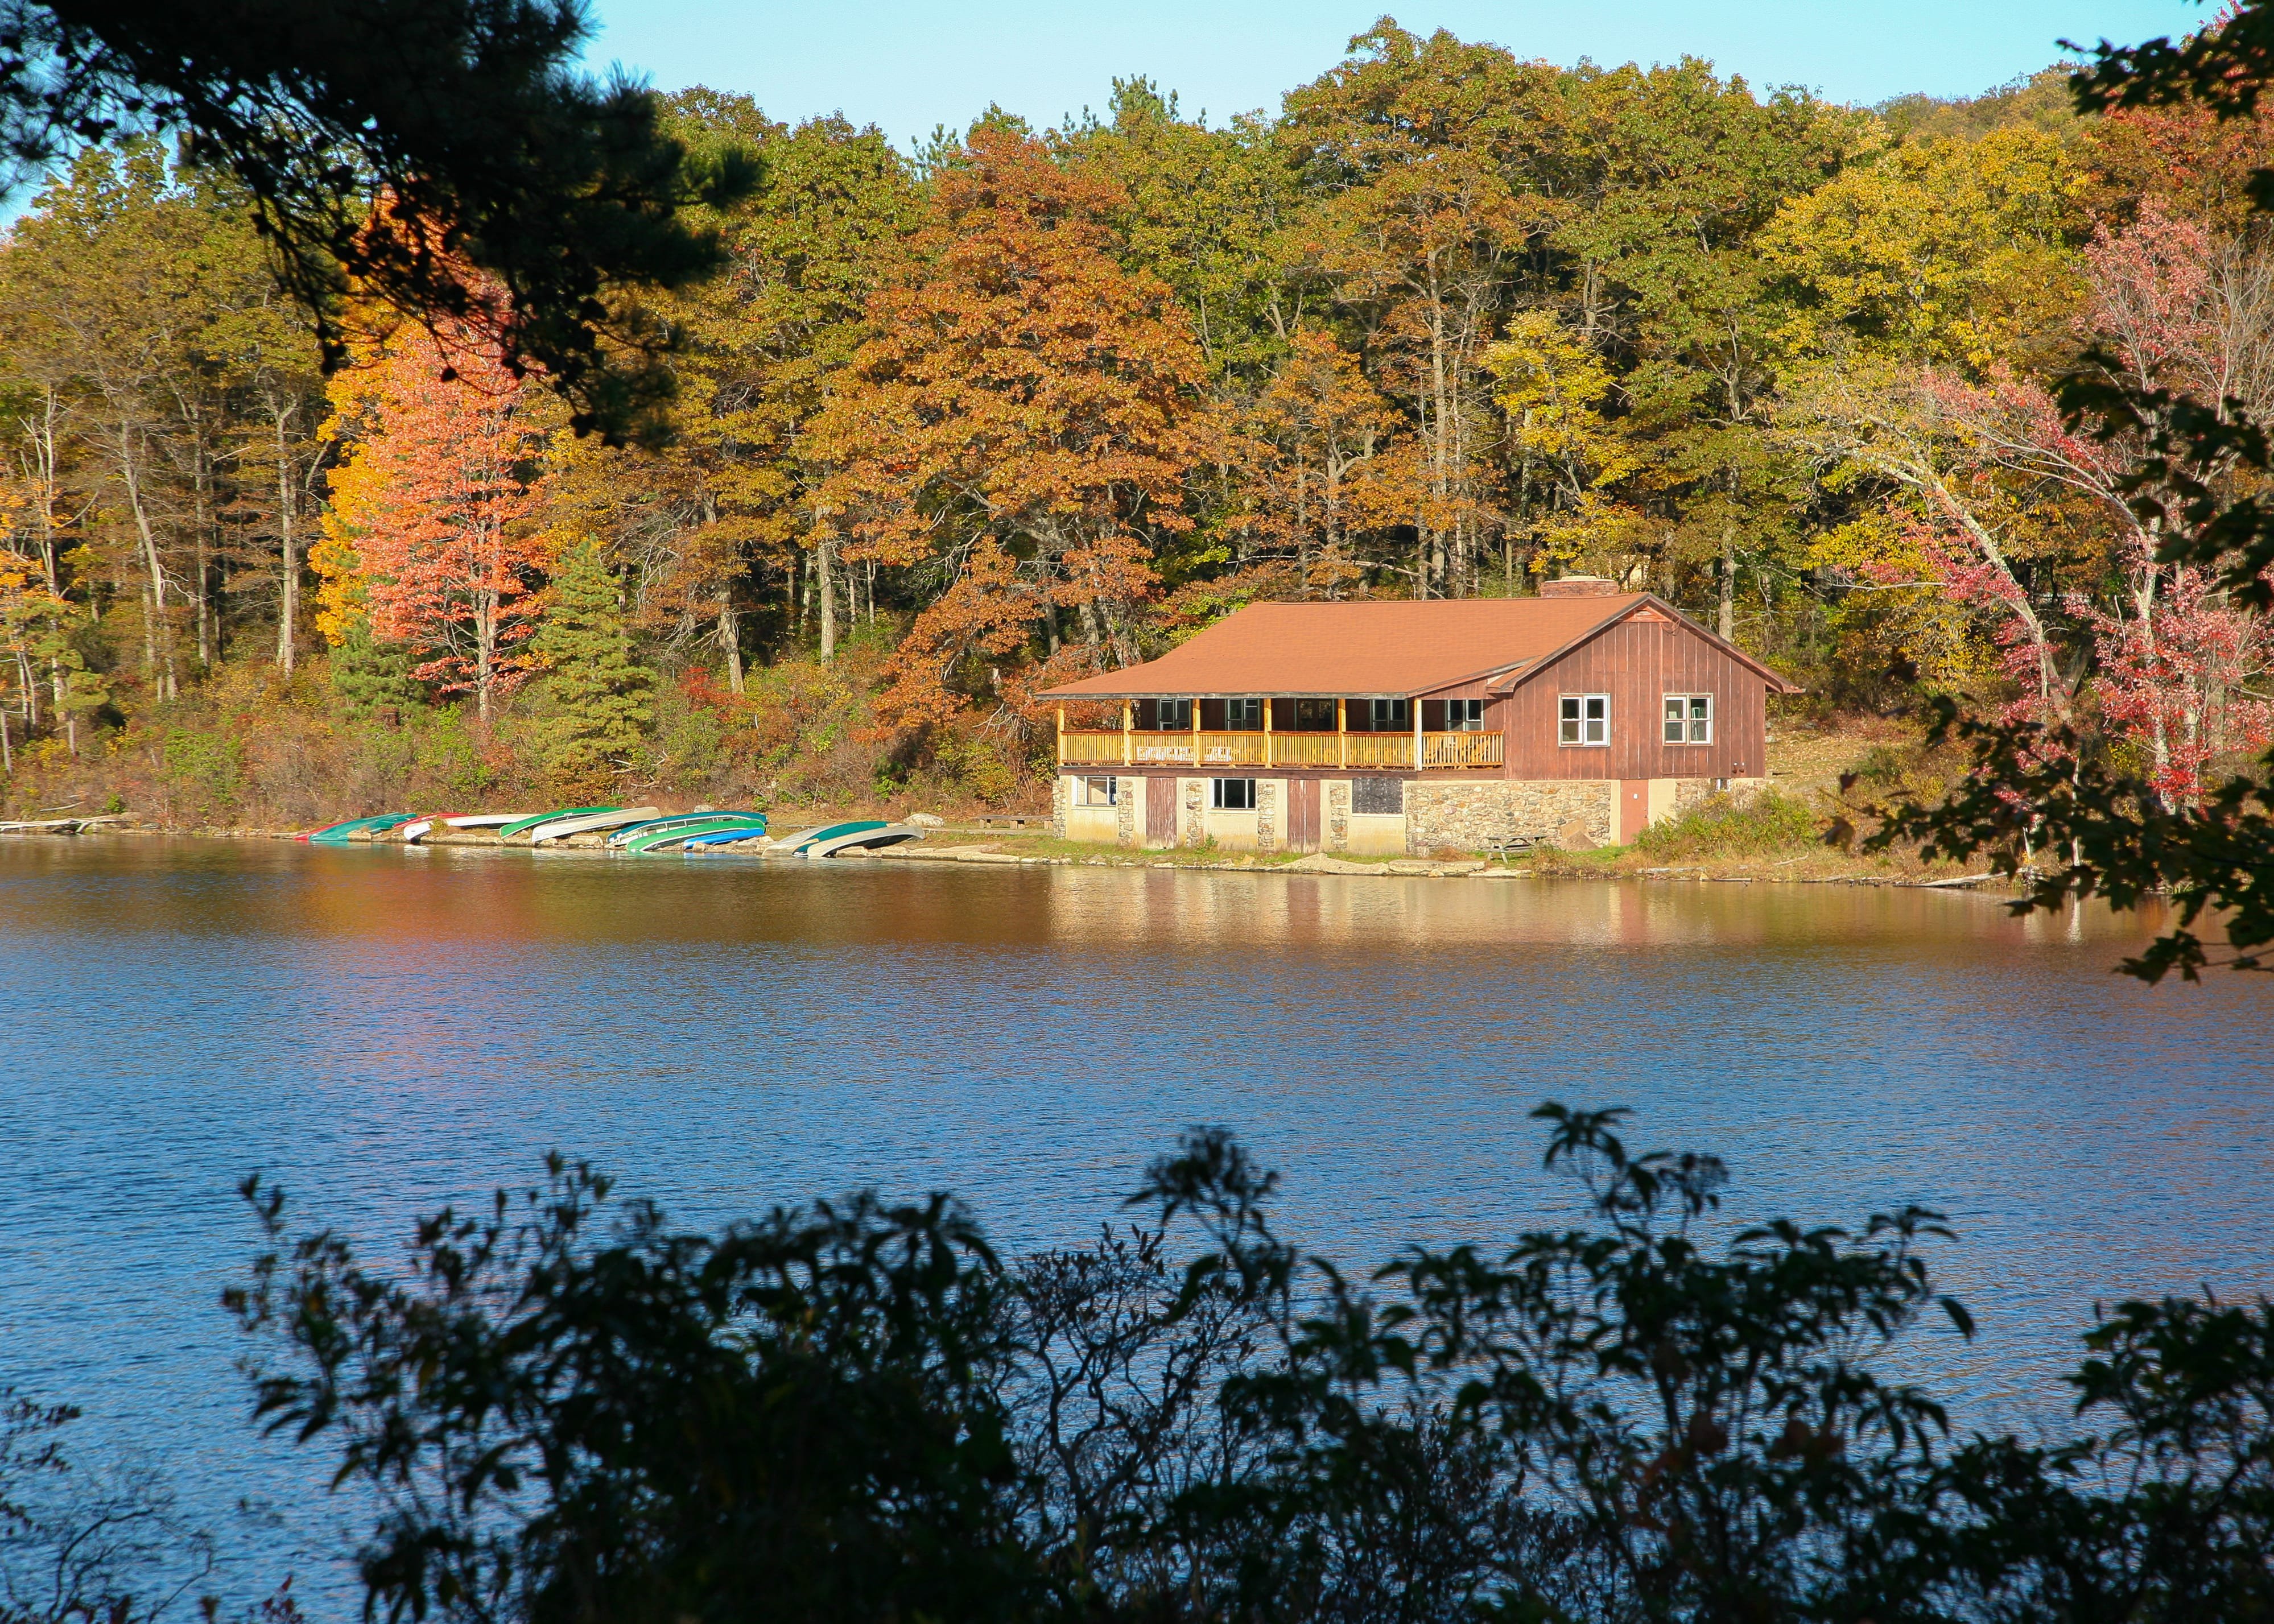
1578	586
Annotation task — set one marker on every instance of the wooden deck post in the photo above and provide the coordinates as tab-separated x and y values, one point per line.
1061	735
1128	741
1267	730
1416	703
1342	733
1196	732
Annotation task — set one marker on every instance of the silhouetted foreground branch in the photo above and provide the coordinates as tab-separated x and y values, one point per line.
569	1411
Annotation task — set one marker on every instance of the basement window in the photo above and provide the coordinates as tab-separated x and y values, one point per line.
1584	720
1232	794
1097	792
1689	718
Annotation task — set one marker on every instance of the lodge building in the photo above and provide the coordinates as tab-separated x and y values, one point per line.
1577	718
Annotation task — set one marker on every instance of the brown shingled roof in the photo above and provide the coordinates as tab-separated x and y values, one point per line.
1398	646
1392	647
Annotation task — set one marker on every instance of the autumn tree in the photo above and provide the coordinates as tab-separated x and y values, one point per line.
126	299
1327	469
431	534
1025	421
1207	211
1413	149
727	508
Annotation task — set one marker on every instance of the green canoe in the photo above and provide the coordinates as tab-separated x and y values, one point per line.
659	839
528	823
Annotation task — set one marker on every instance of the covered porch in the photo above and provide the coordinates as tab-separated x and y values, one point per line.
1380	734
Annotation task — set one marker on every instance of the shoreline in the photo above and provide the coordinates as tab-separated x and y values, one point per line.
994	848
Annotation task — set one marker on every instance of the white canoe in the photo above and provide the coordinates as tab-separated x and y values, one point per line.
419	828
592	822
891	834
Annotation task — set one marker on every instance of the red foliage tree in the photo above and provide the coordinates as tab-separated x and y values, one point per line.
1028	416
436	500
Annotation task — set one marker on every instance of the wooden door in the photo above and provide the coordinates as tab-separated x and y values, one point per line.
1161	812
1302	815
1634	808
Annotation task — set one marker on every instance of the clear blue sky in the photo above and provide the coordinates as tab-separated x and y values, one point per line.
906	65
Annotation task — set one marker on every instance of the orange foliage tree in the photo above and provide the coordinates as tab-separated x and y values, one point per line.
431	531
1026	419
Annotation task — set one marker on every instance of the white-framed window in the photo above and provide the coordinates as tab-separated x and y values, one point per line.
1584	720
1232	794
1097	792
1173	715
1689	718
1391	715
1243	715
1464	716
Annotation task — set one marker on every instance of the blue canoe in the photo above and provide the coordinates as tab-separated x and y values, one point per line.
623	837
712	838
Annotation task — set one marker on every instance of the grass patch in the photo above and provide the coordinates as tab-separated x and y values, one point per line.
1721	828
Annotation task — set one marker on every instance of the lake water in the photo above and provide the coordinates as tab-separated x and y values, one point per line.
385	1030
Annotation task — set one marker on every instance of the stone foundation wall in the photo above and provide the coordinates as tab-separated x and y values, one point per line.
1061	797
1690	793
1334	816
1472	815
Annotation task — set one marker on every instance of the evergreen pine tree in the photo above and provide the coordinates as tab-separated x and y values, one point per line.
600	693
372	676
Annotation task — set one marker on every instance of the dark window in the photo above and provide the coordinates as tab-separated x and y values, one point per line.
1391	715
1464	716
1232	794
1172	714
1378	797
1243	715
1315	716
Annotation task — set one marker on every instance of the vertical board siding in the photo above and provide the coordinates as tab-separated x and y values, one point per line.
1637	663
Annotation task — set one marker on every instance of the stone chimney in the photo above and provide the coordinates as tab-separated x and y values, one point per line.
1578	586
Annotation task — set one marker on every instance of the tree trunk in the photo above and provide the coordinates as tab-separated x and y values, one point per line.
825	562
730	639
1728	624
204	567
158	650
288	601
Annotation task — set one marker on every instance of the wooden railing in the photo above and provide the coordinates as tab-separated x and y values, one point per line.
1089	749
1371	752
1307	749
1460	749
1378	750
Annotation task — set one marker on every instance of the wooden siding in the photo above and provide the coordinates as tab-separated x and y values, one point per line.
1637	663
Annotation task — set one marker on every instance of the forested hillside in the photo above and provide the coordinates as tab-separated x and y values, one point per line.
1032	404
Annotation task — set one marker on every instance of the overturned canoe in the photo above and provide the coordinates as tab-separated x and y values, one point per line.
866	837
676	820
340	834
723	839
420	828
663	839
588	823
523	826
